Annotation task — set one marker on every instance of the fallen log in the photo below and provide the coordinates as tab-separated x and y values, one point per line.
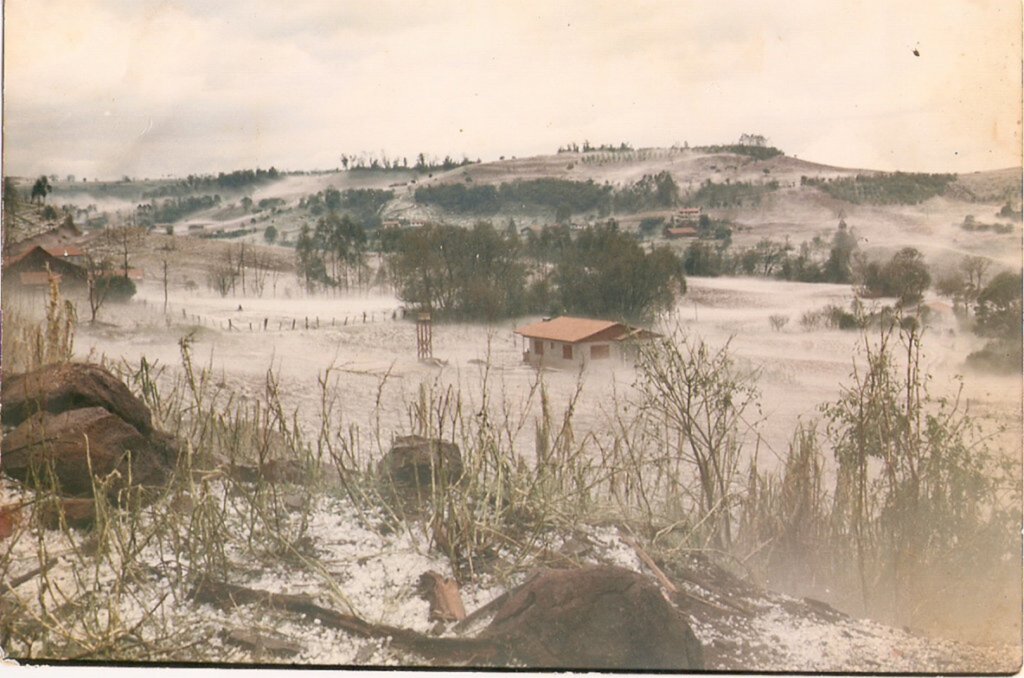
446	650
593	618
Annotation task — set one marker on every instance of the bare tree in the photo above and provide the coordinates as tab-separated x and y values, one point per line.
223	273
261	265
974	269
125	239
97	273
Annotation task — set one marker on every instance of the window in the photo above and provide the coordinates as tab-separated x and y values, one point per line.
599	352
538	347
567	351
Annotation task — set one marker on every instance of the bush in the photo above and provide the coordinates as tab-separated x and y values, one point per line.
998	311
905	277
999	356
912	490
116	288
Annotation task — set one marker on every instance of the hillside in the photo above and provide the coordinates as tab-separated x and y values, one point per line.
780	197
240	357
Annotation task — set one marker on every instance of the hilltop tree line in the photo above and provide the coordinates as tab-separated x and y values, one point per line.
421	164
750	150
484	273
237	180
173	209
564	196
895	188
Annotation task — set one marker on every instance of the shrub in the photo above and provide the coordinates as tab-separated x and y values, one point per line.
116	288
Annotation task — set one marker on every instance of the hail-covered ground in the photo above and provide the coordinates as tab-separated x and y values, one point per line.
374	574
363	350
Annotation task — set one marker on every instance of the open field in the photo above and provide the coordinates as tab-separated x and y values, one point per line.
338	370
798	369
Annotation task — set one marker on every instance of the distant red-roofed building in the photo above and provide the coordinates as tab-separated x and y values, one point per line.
680	232
569	342
29	268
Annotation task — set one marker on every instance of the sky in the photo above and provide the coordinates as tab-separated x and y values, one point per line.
149	88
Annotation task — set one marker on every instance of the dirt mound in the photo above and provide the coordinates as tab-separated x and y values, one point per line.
596	618
72	441
70	386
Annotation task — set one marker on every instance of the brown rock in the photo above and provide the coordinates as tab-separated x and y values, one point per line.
71	386
594	618
411	458
61	440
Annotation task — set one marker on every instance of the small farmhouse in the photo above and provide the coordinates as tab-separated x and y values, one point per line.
571	342
29	268
680	232
687	215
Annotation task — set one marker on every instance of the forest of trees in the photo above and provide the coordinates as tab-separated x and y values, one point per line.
332	254
815	261
238	180
483	273
895	188
172	209
753	151
730	194
563	196
363	204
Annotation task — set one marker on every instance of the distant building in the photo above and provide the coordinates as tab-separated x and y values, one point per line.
570	342
29	268
686	215
674	233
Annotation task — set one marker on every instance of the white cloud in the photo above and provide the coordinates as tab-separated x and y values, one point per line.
203	86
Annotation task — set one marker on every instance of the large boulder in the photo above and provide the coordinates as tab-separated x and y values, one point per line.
70	386
411	459
71	441
600	617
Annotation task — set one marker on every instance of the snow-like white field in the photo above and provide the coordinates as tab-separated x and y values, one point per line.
368	347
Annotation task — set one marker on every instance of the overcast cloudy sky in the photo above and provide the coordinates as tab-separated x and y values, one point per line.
102	88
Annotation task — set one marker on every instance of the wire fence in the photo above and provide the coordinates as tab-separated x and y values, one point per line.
276	323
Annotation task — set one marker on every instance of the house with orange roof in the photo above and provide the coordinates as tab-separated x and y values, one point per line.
569	342
32	267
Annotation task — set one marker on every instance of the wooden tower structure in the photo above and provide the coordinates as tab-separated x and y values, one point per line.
424	337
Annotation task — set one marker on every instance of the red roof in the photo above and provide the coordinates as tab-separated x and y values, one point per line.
571	330
55	251
64	250
681	232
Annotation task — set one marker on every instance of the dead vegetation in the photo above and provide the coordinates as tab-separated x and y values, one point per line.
251	487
